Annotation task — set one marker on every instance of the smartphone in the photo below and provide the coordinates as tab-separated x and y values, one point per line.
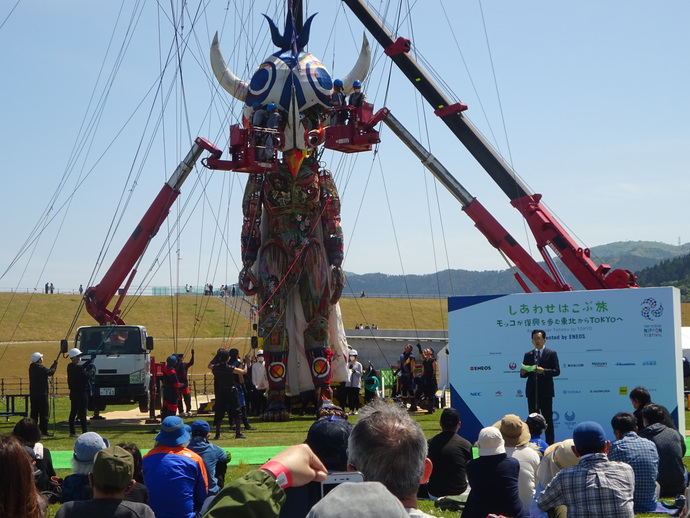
338	477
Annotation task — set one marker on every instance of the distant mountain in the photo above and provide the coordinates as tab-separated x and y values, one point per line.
630	255
669	272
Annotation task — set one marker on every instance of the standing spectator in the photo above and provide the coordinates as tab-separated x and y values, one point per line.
171	386
76	485
47	288
38	391
184	393
52	288
81	289
110	477
516	437
537	424
260	382
354	380
406	377
138	492
596	486
428	384
540	366
78	384
493	479
19	496
672	477
175	476
227	397
215	458
449	453
642	456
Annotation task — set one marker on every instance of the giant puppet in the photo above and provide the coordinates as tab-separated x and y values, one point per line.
292	243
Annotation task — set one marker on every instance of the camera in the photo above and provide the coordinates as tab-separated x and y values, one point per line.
338	477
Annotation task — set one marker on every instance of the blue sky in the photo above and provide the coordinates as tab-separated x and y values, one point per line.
588	101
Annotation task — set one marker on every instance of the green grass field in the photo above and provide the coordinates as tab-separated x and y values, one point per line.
38	322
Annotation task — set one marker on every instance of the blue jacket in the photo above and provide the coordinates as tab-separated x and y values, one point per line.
177	481
211	455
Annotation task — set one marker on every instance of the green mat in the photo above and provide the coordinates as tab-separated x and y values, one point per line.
255	456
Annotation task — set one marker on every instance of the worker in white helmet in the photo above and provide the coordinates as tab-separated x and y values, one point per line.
38	391
78	383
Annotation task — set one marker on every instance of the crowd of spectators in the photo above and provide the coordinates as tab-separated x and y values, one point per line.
514	475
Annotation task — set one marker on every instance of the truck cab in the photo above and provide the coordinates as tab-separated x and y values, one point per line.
120	355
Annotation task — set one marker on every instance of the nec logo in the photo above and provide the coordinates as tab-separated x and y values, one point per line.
475	394
481	368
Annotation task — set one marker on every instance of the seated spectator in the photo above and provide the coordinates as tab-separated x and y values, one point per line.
76	486
449	454
372	497
138	492
19	496
493	478
28	433
327	438
516	437
640	398
175	476
110	478
388	446
558	456
596	486
643	458
215	458
670	445
537	424
261	492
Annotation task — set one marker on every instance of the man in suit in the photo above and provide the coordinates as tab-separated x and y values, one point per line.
540	366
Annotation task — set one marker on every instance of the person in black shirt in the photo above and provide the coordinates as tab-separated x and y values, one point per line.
77	381
227	398
38	391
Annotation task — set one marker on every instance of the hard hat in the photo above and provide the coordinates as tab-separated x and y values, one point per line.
353	352
357	83
73	353
35	357
271	107
260	352
338	82
172	360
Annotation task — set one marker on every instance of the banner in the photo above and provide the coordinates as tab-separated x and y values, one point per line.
608	342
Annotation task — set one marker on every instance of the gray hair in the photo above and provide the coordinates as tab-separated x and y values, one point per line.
388	446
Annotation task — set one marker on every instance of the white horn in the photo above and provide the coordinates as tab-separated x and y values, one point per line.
361	68
229	81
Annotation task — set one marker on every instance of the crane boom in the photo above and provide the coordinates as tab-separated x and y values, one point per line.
544	226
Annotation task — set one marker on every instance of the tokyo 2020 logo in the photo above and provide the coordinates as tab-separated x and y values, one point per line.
651	309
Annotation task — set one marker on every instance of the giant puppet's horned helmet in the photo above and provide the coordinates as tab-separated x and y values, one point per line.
292	79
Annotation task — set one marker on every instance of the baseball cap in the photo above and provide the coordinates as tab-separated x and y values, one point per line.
513	430
490	442
201	427
372	497
589	437
113	467
88	445
173	431
328	438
